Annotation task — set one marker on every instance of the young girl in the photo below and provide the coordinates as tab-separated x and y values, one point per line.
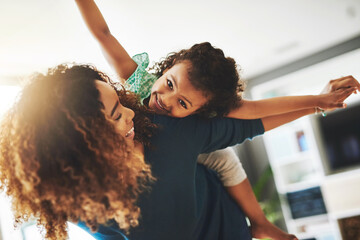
201	80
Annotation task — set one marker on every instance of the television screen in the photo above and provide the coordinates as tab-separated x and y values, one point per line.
305	203
340	133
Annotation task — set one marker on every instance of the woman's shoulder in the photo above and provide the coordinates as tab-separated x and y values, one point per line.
171	121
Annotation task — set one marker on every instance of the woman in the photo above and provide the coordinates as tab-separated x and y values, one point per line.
63	159
69	152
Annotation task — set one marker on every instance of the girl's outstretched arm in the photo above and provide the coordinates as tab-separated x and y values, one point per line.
115	54
280	105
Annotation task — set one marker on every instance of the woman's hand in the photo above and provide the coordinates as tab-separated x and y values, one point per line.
336	91
335	99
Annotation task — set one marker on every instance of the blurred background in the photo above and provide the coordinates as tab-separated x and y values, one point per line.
306	173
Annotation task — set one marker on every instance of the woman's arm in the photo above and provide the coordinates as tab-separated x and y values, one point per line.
280	105
273	106
115	54
278	120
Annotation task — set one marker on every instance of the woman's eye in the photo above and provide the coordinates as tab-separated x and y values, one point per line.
118	118
169	83
183	104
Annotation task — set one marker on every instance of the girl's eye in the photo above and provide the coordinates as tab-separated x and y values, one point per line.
183	104
169	83
118	118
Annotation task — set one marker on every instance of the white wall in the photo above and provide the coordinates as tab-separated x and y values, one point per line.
260	35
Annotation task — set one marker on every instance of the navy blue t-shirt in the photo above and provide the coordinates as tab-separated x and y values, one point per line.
187	201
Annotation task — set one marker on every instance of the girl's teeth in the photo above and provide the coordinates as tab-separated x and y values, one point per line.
159	104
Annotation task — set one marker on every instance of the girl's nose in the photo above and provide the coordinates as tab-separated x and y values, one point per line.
168	101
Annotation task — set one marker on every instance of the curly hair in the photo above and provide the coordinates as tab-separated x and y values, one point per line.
212	73
61	158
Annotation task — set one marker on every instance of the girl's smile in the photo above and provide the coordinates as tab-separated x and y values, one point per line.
160	105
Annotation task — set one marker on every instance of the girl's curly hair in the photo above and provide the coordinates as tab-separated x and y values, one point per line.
210	72
61	158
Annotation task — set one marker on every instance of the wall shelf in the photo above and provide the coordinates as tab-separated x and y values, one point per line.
298	157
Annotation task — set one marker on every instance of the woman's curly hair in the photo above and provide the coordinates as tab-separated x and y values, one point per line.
210	72
61	158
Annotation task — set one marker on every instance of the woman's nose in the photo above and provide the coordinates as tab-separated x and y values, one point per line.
130	115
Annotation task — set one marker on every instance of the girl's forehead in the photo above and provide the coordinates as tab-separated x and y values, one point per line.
183	64
179	71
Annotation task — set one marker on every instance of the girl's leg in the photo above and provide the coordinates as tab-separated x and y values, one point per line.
260	227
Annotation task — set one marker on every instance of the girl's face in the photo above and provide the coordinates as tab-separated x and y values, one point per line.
174	95
122	116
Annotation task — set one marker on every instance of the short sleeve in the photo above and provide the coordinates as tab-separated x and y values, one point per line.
226	163
141	81
199	135
219	133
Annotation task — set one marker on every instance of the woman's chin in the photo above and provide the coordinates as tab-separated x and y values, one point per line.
130	142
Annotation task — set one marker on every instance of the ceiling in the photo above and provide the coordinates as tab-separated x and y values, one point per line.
260	35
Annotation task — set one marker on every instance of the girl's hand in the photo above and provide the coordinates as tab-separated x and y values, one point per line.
341	83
